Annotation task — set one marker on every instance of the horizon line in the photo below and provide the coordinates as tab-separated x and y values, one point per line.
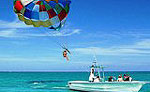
74	71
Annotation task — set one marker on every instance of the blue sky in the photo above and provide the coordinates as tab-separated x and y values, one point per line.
117	31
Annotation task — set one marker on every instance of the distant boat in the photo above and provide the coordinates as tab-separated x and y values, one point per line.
105	86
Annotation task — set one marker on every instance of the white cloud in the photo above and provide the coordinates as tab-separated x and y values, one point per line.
143	44
8	33
26	59
139	48
118	34
13	24
11	29
65	32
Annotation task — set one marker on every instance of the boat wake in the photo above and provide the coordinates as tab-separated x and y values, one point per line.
45	81
59	87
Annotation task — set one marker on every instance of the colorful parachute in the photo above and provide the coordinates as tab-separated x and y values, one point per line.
46	13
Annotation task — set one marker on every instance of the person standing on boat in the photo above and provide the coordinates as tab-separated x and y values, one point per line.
130	78
110	79
92	77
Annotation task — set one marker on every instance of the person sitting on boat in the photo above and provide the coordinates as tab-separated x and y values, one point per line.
120	79
97	79
110	79
92	77
126	77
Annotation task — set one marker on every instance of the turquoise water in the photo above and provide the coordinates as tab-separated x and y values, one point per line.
54	81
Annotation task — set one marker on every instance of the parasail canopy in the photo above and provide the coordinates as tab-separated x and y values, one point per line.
46	13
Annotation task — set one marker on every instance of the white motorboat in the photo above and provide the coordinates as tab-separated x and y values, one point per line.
105	86
133	86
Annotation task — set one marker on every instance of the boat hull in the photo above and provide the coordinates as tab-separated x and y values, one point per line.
133	86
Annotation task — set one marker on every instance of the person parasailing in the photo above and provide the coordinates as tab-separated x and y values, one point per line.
65	55
65	52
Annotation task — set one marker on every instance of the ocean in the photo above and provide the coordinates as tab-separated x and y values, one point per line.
54	81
